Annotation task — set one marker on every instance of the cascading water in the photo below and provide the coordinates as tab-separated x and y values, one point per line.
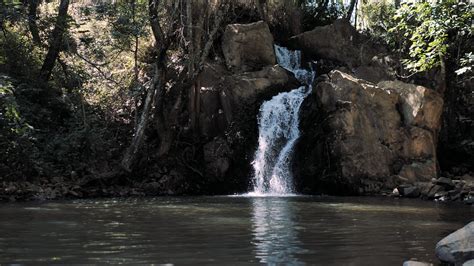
278	130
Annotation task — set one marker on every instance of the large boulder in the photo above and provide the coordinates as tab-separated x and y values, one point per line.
248	47
224	94
421	106
357	138
419	171
457	247
342	43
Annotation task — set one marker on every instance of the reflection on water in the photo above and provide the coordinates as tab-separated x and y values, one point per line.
227	231
274	231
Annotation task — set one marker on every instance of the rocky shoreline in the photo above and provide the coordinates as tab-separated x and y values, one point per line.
443	189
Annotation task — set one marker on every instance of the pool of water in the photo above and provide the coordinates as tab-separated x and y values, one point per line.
227	230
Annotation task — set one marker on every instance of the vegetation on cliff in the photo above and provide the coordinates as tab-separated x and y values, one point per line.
104	98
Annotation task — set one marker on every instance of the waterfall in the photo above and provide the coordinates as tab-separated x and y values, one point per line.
278	122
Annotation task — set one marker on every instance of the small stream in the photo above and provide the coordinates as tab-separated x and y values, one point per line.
231	230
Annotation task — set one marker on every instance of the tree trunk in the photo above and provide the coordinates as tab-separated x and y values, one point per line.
56	42
135	64
189	31
156	90
167	120
32	17
137	141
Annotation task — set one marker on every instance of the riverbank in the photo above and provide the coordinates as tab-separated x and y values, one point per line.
440	190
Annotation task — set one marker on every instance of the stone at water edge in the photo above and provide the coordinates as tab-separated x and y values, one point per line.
462	256
396	192
457	247
469	201
445	182
469	263
409	191
416	263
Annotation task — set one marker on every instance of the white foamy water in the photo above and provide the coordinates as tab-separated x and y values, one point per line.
278	130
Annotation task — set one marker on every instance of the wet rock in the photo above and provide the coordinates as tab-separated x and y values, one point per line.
416	263
248	47
455	195
469	201
468	263
409	191
457	247
434	191
425	188
462	256
445	182
419	171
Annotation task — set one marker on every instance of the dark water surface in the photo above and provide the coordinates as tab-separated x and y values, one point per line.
227	230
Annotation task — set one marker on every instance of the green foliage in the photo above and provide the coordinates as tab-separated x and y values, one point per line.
8	102
427	31
377	19
9	109
467	64
320	12
11	10
129	21
18	56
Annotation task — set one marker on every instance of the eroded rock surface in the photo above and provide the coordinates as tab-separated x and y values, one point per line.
458	247
359	137
342	43
229	95
248	46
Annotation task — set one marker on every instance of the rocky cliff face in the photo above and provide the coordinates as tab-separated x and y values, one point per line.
359	137
368	131
230	95
340	44
363	132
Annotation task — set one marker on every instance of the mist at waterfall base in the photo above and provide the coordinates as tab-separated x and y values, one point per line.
278	123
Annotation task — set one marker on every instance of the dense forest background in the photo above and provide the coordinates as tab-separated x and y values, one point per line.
98	95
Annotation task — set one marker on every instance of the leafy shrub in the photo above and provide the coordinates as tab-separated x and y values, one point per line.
428	31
